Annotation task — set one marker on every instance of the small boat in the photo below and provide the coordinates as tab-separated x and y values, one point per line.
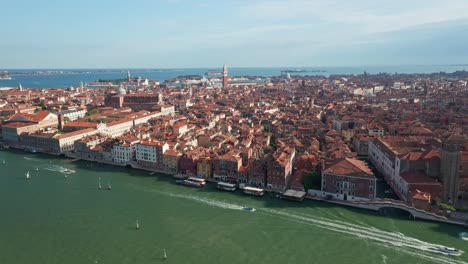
27	175
463	235
3	162
109	187
100	187
189	183
37	169
137	225
65	175
165	255
226	186
449	251
249	209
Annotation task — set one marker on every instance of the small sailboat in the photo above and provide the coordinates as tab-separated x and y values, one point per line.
109	187
137	225
100	187
27	175
165	255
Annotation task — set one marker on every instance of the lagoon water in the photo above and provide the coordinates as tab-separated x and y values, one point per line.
53	219
91	75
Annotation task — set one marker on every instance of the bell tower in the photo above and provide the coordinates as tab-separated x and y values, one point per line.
225	76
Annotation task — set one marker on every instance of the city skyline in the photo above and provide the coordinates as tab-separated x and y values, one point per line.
182	34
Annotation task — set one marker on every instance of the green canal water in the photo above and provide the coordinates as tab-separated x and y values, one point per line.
53	219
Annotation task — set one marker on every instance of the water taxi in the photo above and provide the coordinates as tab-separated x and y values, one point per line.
189	183
449	251
253	191
226	186
198	180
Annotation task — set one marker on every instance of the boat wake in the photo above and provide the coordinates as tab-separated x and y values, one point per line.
31	159
208	201
57	168
392	240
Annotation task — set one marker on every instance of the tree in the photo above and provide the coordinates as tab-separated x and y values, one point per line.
312	181
66	119
43	105
92	112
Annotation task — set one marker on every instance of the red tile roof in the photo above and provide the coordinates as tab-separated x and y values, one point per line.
350	167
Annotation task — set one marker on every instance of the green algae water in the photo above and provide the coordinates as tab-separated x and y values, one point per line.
53	219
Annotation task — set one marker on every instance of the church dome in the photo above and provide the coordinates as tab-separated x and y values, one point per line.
121	91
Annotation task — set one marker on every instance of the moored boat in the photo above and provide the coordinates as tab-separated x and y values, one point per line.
189	183
253	191
197	180
226	186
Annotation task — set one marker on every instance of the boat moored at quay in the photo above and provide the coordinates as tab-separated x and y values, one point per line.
226	186
252	190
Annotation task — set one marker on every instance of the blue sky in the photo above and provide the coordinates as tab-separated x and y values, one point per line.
242	33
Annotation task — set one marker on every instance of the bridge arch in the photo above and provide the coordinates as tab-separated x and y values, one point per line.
392	210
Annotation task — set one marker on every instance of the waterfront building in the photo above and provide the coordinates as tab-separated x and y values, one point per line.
21	123
349	179
279	169
123	150
407	164
258	170
205	168
83	147
149	153
226	166
66	141
171	160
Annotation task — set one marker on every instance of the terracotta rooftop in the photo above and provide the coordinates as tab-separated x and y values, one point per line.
350	167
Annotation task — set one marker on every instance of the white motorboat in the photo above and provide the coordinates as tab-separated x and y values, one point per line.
28	176
165	255
449	251
463	235
137	225
99	184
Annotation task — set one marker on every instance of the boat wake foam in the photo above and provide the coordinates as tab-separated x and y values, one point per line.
393	240
206	201
56	168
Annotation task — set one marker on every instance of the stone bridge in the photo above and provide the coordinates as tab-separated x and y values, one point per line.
381	204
